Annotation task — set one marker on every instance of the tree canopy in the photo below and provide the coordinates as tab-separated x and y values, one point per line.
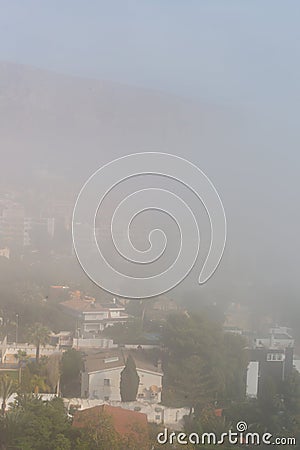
202	364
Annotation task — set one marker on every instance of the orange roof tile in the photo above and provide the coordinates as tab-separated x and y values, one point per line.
124	421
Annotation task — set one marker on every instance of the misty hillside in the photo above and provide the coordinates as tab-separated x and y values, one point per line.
61	123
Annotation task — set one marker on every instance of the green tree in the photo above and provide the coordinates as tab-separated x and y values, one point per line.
38	335
38	384
44	425
98	433
10	426
61	442
126	333
234	361
191	362
7	388
202	364
71	365
129	381
21	357
52	370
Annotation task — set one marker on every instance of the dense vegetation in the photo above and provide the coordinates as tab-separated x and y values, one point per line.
204	368
202	364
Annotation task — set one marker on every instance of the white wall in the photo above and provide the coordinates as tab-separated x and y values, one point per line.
97	389
271	342
95	315
296	364
93	343
252	379
147	380
173	418
10	350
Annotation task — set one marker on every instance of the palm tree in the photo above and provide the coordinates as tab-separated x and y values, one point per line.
22	357
7	388
38	335
39	384
9	427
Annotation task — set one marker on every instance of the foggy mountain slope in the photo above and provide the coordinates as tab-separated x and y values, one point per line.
69	124
54	125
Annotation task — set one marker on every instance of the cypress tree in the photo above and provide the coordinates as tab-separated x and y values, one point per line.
129	381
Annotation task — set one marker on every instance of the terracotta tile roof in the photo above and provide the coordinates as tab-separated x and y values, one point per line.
124	421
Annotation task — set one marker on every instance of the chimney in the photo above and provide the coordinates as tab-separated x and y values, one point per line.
159	365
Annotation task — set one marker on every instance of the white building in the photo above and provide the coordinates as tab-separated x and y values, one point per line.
96	320
33	224
252	379
5	252
173	418
94	317
63	339
277	338
102	375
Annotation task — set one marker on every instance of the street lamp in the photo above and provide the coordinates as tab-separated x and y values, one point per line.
17	327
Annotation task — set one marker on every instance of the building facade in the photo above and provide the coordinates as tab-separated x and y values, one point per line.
102	375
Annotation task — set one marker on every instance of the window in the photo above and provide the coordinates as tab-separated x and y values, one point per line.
106	398
106	382
157	417
110	360
275	357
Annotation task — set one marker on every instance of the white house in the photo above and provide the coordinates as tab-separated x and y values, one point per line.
98	318
277	338
102	375
94	317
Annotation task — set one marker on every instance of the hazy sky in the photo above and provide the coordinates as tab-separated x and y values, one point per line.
235	51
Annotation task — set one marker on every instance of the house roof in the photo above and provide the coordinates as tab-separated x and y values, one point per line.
281	336
124	420
81	305
106	360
